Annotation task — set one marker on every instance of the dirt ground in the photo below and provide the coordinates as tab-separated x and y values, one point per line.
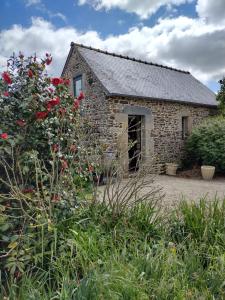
176	188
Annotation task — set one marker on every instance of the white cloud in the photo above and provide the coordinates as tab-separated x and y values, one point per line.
211	11
32	2
143	8
39	5
181	42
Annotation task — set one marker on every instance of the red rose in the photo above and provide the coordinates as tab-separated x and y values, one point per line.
56	81
81	96
21	123
66	82
30	74
4	136
53	102
40	115
6	94
76	104
6	77
48	61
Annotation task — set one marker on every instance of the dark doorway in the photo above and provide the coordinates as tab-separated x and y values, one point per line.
134	141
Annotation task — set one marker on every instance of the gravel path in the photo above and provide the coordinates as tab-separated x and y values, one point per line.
178	188
191	189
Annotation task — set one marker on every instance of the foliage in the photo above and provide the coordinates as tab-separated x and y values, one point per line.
178	257
46	162
206	143
221	96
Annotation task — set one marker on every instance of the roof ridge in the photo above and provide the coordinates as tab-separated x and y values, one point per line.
128	58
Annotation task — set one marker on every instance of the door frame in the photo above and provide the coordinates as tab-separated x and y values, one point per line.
147	141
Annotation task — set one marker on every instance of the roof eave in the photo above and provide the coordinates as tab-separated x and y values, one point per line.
68	58
113	95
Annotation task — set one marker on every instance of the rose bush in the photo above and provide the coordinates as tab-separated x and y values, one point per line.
46	160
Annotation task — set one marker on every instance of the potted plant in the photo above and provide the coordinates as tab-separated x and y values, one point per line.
207	172
171	169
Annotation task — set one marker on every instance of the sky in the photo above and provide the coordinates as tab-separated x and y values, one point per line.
185	34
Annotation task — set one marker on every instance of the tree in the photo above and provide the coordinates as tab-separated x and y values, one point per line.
221	96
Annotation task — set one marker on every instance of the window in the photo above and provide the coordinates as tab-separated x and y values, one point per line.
77	85
185	127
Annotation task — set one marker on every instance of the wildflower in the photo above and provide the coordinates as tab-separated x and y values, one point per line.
56	81
40	115
81	96
6	77
21	123
4	136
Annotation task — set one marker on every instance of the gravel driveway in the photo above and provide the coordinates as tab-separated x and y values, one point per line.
191	189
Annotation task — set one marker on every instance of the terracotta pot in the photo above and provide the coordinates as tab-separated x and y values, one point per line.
171	169
207	172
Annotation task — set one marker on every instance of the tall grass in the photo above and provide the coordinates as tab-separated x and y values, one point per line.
136	256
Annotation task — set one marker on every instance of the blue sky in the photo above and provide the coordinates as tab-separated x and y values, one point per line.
186	34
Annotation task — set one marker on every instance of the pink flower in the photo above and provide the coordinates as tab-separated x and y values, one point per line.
4	136
21	123
6	77
6	94
41	115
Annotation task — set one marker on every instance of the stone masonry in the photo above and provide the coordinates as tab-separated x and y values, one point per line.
162	126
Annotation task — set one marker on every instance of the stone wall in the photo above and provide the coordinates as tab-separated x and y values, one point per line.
162	129
95	105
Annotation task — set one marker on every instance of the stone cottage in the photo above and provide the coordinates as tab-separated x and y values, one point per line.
141	110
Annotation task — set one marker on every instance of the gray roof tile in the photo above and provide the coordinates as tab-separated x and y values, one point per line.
129	77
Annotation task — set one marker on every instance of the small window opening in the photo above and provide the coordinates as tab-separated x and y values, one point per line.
185	127
77	83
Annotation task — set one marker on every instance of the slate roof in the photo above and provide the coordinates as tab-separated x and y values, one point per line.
125	76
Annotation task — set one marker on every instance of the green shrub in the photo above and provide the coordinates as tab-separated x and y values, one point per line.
206	144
